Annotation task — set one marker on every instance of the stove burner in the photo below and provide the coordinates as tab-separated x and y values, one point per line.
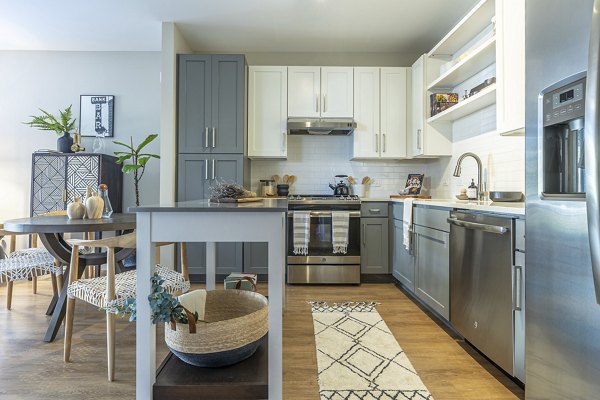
323	199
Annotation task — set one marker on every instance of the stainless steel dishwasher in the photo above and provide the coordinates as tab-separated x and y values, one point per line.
481	283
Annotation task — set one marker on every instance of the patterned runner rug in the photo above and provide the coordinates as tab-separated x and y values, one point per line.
358	357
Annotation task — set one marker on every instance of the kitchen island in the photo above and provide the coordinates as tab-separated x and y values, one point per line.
203	221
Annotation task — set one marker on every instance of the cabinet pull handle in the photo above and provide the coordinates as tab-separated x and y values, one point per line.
419	139
206	137
64	195
213	169
364	234
375	210
324	103
383	135
517	301
206	170
317	103
214	137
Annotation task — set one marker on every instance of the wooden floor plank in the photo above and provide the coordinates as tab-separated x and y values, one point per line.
33	369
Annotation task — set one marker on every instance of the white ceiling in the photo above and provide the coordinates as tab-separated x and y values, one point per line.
390	26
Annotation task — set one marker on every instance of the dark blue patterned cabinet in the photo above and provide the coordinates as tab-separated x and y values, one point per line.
57	178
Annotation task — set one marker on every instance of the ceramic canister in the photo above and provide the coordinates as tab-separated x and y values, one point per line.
76	209
94	206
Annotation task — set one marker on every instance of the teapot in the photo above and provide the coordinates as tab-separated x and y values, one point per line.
341	188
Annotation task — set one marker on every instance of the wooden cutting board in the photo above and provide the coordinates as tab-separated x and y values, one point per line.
242	200
407	196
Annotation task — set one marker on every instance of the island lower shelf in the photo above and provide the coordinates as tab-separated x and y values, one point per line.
247	380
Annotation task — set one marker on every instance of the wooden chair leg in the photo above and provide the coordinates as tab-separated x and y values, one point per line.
110	317
184	262
70	304
9	290
34	282
60	280
54	284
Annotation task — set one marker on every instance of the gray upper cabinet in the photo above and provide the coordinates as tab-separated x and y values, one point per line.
211	103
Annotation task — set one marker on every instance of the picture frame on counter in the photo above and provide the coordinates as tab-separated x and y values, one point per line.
414	184
96	115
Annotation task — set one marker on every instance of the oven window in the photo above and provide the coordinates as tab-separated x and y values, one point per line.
320	243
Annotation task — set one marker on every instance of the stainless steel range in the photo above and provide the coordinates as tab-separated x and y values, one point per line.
321	265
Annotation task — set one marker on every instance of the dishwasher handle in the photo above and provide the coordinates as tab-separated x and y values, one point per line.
500	230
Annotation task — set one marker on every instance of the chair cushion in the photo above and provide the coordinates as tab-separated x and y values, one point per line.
93	290
23	264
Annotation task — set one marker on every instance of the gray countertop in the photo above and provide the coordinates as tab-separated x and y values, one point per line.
266	205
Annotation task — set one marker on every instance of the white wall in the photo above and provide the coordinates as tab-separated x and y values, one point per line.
52	81
315	160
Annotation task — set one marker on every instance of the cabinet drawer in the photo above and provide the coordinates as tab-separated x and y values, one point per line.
397	210
432	218
520	234
374	209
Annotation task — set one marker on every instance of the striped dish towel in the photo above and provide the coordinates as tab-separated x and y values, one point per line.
339	228
301	232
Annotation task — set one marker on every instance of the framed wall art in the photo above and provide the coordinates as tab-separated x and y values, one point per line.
96	115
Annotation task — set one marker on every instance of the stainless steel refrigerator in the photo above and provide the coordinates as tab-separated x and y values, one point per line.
562	312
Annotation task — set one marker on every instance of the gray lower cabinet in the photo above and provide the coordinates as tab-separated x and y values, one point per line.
432	281
403	260
374	257
211	93
196	174
256	256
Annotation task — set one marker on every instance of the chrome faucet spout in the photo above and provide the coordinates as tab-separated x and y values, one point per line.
457	172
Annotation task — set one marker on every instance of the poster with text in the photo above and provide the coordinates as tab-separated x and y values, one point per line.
96	115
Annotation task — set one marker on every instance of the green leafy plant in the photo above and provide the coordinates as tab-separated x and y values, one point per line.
48	122
135	161
165	307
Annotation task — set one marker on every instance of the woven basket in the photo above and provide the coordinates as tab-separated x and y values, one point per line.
234	323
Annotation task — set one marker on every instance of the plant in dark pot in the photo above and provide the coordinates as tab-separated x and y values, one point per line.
63	125
134	160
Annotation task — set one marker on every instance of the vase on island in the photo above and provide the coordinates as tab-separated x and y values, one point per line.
64	143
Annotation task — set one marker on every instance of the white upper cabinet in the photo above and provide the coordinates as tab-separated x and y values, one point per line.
304	92
366	112
393	112
267	112
510	66
426	140
380	112
336	92
315	92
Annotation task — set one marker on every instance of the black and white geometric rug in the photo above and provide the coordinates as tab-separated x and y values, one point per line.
358	357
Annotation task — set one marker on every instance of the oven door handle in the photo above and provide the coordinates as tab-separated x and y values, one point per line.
353	214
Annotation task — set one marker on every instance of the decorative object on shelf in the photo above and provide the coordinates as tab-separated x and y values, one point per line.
76	209
62	126
240	281
442	101
103	194
231	192
76	146
414	184
137	161
96	115
482	86
94	206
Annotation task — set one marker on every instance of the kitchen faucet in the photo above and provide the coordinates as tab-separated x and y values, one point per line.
457	170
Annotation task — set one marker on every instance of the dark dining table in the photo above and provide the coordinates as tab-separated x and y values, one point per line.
51	230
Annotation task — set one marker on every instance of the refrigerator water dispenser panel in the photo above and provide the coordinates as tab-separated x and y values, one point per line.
562	161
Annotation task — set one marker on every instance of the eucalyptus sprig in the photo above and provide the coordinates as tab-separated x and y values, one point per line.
165	307
137	161
48	122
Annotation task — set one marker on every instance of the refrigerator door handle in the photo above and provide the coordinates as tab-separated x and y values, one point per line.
592	147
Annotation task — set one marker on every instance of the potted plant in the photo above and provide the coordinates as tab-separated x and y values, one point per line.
61	125
135	161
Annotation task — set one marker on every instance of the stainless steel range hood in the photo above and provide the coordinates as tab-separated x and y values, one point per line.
321	126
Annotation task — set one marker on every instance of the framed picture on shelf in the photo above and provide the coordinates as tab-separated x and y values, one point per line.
414	184
96	115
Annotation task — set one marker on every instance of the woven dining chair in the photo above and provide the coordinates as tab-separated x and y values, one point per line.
29	263
111	291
